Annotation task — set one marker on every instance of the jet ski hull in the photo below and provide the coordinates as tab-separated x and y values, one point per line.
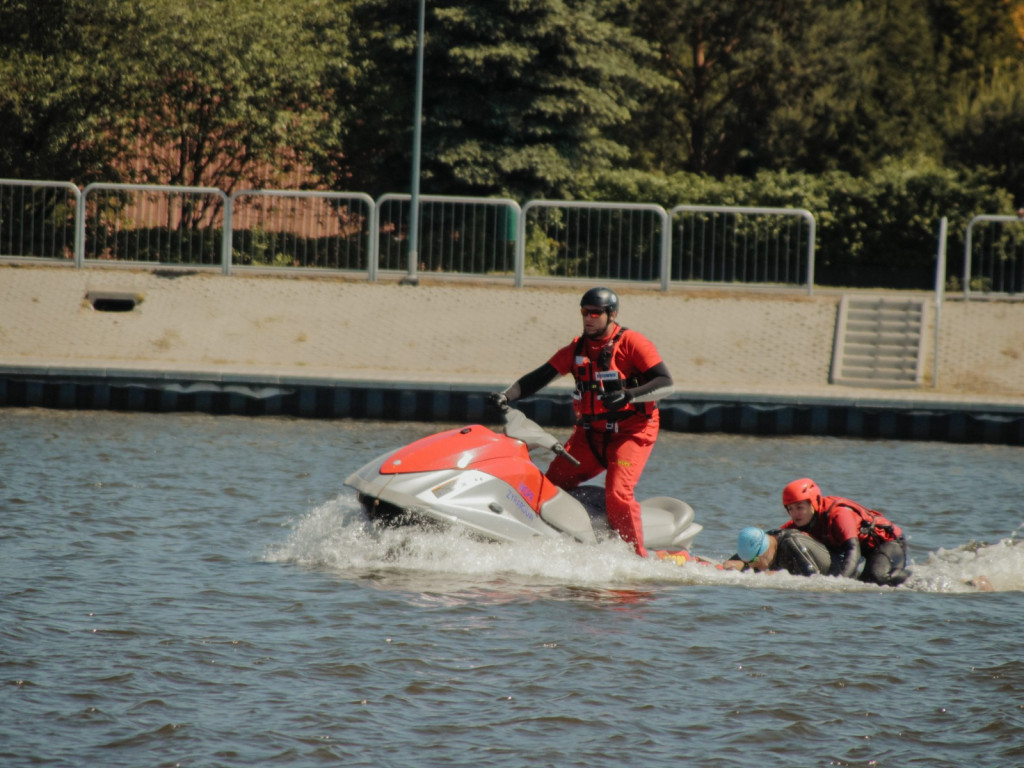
488	484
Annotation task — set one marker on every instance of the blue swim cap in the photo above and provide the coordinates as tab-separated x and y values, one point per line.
751	543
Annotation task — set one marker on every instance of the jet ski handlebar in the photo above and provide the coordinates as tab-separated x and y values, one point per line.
519	426
559	450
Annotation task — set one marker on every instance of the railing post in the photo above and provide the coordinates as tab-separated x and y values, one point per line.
811	238
373	258
519	268
940	288
967	257
666	249
225	235
80	229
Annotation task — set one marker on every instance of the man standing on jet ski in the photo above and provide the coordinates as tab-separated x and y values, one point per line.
619	378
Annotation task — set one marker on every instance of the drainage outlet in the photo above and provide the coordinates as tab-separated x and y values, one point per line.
106	301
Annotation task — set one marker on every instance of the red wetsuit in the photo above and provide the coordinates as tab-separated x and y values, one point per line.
620	442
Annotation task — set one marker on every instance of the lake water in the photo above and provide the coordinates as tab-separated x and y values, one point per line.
189	590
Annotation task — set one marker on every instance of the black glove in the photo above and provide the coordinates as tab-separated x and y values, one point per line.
617	400
499	400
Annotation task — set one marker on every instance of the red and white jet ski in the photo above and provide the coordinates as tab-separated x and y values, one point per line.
486	482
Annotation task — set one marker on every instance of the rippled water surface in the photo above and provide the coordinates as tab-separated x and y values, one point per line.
186	590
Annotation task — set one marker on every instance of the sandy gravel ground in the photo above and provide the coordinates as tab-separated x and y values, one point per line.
456	332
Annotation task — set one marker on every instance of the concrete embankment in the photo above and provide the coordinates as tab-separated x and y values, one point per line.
744	362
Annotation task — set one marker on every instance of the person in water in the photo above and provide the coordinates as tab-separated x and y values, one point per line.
779	550
619	376
850	531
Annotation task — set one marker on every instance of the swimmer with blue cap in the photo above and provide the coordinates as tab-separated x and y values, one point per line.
752	545
778	550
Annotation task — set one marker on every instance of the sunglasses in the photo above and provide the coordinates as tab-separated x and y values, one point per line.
591	312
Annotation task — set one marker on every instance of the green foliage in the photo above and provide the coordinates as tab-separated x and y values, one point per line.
542	253
835	106
972	37
154	245
209	92
230	86
723	64
877	230
799	85
986	127
519	97
65	103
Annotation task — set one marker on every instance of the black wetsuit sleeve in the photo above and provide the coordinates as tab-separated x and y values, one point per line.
657	382
736	557
845	559
532	382
800	554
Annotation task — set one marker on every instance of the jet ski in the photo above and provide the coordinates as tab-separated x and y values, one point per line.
487	483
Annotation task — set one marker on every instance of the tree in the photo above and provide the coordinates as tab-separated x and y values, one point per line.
65	99
209	92
800	85
230	90
982	44
521	97
727	63
974	37
866	90
986	129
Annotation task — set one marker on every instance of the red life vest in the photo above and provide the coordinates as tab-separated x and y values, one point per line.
874	527
595	377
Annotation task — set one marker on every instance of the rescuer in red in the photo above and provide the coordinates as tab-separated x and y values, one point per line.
619	378
850	531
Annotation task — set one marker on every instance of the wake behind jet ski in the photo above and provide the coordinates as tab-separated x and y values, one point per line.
487	483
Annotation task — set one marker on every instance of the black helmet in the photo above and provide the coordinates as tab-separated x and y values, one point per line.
604	298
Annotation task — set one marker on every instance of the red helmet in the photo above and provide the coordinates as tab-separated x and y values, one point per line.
803	489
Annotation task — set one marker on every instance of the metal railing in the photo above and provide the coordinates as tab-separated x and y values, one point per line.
341	231
994	255
597	241
154	224
38	219
731	244
302	230
457	235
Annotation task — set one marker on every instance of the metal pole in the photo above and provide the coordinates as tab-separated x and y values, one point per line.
940	287
412	278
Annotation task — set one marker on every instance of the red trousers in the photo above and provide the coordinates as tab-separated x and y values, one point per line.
624	453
